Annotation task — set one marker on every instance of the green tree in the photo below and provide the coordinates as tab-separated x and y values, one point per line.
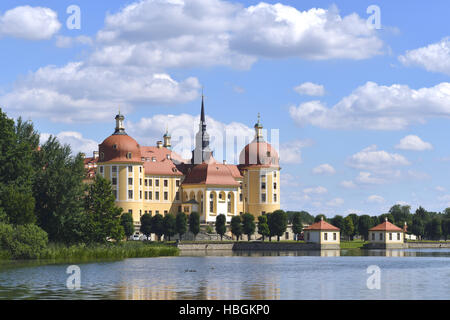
348	228
59	192
400	214
181	224
158	225
146	225
169	226
436	229
103	214
364	224
126	221
319	217
18	205
236	226
418	226
194	223
278	223
23	241
338	221
248	225
445	227
263	227
221	227
355	220
297	225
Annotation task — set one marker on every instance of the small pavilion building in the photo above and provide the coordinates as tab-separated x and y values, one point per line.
386	236
324	234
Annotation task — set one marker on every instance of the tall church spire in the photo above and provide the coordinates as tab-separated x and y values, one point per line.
201	153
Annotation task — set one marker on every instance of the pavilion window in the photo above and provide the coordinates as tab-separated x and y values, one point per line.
334	236
325	236
373	236
390	236
381	236
398	236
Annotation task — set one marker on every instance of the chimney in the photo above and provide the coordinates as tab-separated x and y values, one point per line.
159	144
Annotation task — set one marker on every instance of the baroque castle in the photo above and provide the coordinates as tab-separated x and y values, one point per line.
157	180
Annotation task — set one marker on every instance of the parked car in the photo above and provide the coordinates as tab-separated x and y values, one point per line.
136	237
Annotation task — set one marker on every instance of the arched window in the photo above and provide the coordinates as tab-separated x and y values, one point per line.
211	202
229	202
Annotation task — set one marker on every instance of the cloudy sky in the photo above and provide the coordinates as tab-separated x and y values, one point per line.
360	111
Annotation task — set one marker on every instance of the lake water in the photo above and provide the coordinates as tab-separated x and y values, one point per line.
404	274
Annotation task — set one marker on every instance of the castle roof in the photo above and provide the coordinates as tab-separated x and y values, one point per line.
211	173
322	225
386	226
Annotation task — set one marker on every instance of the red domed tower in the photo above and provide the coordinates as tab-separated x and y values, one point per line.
120	162
259	163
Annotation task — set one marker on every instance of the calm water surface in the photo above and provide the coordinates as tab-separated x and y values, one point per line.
405	274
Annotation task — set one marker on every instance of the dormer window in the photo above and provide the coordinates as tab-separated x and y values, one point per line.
168	156
129	155
154	159
114	146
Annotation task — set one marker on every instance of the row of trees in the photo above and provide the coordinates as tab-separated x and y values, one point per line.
43	186
170	224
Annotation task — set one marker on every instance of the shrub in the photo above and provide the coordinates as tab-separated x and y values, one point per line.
23	241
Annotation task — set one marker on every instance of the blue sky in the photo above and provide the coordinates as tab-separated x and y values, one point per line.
374	135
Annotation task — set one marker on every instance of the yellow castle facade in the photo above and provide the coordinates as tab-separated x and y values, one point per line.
156	180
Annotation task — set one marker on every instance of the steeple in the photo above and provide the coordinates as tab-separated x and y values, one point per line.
258	129
201	153
167	138
120	128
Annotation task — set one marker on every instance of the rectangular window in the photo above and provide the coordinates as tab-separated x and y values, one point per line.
286	235
140	182
166	195
157	182
373	236
177	196
263	185
165	212
307	236
114	181
263	197
130	211
140	169
157	212
334	236
166	183
325	236
130	181
130	168
150	195
140	194
156	195
274	185
101	169
130	194
177	183
274	197
390	236
114	168
146	195
150	182
150	212
398	236
274	174
381	236
146	182
240	197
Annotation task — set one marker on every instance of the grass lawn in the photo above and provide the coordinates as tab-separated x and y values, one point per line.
355	244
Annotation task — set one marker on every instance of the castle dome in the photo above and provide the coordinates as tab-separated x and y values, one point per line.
259	152
119	146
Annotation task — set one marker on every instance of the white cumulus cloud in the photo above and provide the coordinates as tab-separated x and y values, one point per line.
310	89
31	23
434	57
324	169
413	142
372	159
75	140
377	107
375	199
